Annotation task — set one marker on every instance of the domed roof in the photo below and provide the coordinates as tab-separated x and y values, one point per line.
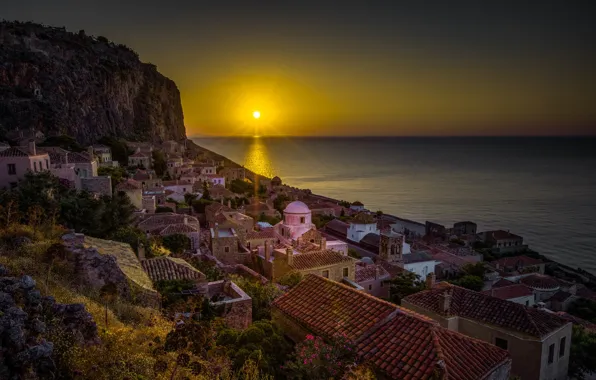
367	260
297	207
540	281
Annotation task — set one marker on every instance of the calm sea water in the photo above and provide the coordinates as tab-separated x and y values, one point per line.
541	188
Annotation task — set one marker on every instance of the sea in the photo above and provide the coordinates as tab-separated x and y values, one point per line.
542	188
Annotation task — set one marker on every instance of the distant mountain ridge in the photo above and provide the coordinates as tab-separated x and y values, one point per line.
86	87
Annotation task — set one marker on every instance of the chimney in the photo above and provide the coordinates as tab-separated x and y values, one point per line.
229	203
221	201
185	220
141	251
267	252
90	153
377	272
290	255
323	244
32	149
216	231
430	280
445	302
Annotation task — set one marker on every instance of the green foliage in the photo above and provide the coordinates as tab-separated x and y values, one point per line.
116	172
160	209
169	289
262	296
345	204
208	268
206	196
120	151
199	205
584	309
291	279
134	237
583	352
354	253
64	142
320	220
403	285
176	243
159	162
269	219
469	282
280	202
477	269
239	186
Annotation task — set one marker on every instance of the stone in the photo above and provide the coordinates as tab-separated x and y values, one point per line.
6	301
27	282
3	271
38	327
20	241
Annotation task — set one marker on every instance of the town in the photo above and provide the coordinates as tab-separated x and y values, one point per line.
205	235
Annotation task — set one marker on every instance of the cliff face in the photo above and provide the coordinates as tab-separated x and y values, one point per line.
85	87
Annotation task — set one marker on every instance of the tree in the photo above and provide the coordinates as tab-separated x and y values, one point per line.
262	296
132	236
176	243
470	282
477	269
354	253
117	173
206	196
239	186
280	201
291	279
583	352
403	285
117	212
584	309
160	209
208	268
64	142
159	163
120	151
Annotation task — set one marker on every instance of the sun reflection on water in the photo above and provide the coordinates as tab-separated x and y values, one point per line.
257	158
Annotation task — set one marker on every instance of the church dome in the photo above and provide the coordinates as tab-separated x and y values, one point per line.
297	207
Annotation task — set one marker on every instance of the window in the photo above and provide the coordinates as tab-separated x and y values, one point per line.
47	164
551	353
12	169
562	347
370	287
302	219
34	166
346	272
381	284
527	303
325	273
501	343
226	249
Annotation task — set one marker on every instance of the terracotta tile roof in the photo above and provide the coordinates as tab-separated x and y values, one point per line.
417	257
370	272
303	261
509	292
139	155
14	152
268	233
502	282
399	342
540	281
516	261
338	226
326	307
129	184
170	268
501	235
176	183
371	239
407	347
560	296
392	269
469	304
141	175
79	158
179	228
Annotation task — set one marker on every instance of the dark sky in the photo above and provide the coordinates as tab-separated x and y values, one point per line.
351	68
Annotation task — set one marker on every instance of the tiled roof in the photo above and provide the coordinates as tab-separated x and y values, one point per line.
166	218
128	184
79	158
393	270
502	282
179	228
509	292
310	260
170	268
417	257
560	296
540	281
370	272
268	233
517	261
501	235
371	239
141	175
176	183
138	155
399	342
14	152
258	207
326	307
338	226
473	305
407	347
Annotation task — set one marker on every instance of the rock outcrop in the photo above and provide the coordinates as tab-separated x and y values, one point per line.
86	87
25	317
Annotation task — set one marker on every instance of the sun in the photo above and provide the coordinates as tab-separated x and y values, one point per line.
256	114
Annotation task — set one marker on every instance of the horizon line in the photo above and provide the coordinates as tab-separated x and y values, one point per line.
393	136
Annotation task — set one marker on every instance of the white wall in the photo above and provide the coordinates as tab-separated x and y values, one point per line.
422	268
357	231
522	300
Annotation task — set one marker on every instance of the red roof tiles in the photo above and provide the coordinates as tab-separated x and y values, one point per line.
310	260
516	261
399	342
370	272
502	282
469	304
540	281
268	233
509	292
169	268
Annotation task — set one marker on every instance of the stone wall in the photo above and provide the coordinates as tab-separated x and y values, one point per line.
218	248
236	311
100	185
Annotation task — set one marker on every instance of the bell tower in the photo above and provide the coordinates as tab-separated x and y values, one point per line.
391	247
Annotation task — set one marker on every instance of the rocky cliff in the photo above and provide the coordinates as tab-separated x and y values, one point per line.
86	87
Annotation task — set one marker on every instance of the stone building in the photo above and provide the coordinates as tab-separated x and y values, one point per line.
100	262
227	247
16	162
398	343
363	223
464	228
503	241
168	268
231	303
140	159
133	190
539	342
373	278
